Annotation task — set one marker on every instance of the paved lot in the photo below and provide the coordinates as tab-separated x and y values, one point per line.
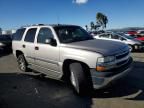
18	90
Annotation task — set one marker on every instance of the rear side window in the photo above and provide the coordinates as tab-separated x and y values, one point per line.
19	34
30	36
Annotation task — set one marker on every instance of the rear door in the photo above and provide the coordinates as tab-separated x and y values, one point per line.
28	45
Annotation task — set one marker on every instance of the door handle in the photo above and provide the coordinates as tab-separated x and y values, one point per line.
36	48
23	46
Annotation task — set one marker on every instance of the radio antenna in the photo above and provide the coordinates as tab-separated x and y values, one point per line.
58	19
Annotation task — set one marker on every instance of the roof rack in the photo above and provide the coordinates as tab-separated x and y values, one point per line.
44	25
32	25
38	24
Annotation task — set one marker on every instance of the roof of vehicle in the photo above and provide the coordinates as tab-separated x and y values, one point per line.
140	30
52	25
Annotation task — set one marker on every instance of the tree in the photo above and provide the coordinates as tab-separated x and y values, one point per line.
86	27
102	20
92	25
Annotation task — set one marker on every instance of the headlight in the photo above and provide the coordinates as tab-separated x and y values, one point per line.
106	59
105	63
1	44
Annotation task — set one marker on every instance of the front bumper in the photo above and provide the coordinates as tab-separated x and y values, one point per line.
4	45
103	79
138	47
1	44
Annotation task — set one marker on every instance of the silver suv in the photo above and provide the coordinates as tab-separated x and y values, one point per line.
69	53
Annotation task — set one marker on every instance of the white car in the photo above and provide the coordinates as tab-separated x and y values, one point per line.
140	32
133	43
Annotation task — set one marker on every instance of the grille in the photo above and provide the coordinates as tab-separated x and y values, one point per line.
122	58
122	55
122	63
122	68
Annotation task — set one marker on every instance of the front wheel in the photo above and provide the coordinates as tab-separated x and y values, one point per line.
131	48
78	78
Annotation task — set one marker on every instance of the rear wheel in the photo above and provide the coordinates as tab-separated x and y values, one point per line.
78	78
22	63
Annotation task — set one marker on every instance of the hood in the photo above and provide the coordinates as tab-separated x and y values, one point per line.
104	47
135	41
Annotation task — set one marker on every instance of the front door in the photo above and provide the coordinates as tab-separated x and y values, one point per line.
46	55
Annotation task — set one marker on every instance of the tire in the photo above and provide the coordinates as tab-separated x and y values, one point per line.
78	79
131	48
22	64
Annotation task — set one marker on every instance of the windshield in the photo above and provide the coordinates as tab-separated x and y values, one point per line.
69	34
142	32
126	36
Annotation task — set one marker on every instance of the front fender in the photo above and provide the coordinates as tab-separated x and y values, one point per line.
87	57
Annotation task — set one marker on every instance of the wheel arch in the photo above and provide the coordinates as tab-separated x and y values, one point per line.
66	71
18	52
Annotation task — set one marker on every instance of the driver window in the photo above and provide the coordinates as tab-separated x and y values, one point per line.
44	33
122	39
115	37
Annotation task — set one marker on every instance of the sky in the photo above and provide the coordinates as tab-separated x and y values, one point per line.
120	13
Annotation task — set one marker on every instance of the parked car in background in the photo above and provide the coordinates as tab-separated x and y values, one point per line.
140	32
5	42
140	38
140	35
132	32
120	37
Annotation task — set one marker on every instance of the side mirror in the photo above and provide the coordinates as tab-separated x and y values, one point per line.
51	41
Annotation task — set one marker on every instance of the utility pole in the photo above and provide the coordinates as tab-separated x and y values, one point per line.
0	31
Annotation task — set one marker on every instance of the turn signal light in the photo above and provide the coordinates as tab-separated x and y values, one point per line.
100	68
